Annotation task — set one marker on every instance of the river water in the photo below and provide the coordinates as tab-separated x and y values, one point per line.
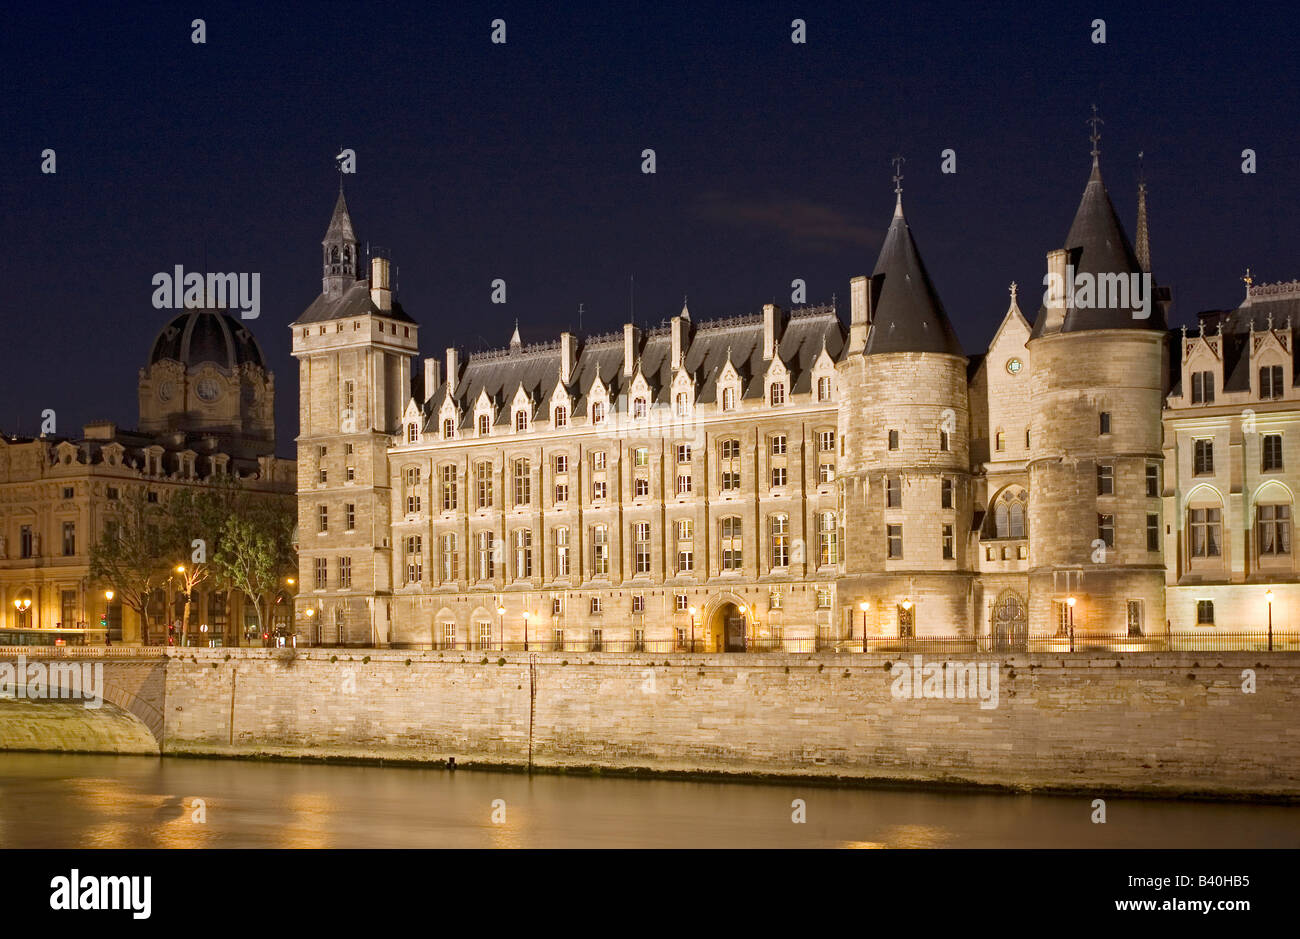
73	801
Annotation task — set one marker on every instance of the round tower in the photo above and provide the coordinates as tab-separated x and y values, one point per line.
904	466
1096	465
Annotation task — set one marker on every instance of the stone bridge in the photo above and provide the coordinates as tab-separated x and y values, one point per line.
129	721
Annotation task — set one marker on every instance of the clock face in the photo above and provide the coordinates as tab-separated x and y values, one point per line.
165	391
1014	366
207	389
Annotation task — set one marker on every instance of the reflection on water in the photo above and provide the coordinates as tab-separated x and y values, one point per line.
67	801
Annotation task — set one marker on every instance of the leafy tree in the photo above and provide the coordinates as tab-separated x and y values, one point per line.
195	518
255	552
130	557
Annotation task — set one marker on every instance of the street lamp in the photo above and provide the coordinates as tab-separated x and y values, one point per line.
692	612
22	605
501	624
108	595
525	630
1069	602
863	606
1268	595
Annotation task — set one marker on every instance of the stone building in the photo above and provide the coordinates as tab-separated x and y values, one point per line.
206	404
777	480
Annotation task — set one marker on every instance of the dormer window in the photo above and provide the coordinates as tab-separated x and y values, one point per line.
1270	381
448	428
777	394
484	425
561	417
728	399
823	388
1202	387
639	407
597	413
412	432
521	421
683	404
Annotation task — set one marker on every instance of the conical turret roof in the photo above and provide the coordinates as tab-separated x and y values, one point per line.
907	315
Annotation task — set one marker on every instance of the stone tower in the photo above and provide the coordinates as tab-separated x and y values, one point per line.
354	346
904	467
1095	465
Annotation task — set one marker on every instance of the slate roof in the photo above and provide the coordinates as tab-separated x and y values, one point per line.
340	226
355	301
536	368
1098	245
1237	325
907	314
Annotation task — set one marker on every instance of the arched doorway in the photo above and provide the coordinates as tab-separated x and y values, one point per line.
727	629
1010	622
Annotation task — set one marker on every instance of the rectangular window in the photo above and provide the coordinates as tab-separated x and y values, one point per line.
943	440
483	483
947	543
411	477
732	544
322	518
828	539
684	484
1273	523
1204	612
596	607
730	466
1153	481
778	477
486	546
523	553
450	559
680	603
779	537
414	559
350	516
895	541
641	546
68	492
448	488
1272	453
1105	479
893	493
893	440
1153	532
598	460
1270	381
685	546
561	464
638	603
778	445
1106	529
485	634
825	472
523	492
1103	423
321	572
1202	388
1203	457
823	597
1204	532
561	493
69	539
641	456
67	608
683	453
600	550
1135	617
945	493
826	441
345	573
640	487
598	489
561	538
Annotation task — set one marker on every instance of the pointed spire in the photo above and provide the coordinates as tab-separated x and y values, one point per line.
515	341
1143	247
340	226
907	313
686	313
898	162
1095	136
339	268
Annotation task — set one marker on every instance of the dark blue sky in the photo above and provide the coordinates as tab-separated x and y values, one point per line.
522	161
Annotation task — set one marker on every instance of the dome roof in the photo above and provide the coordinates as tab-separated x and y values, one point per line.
197	336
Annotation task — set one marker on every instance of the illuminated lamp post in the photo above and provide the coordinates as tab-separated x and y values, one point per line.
501	624
525	630
1069	602
1269	597
692	612
863	606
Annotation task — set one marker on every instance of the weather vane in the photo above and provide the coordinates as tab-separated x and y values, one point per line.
898	162
1096	134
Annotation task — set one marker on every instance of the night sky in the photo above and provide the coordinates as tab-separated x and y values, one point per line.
523	161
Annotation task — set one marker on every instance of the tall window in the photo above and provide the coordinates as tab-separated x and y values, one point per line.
1203	457
449	557
945	493
1270	381
486	545
414	559
523	553
639	407
823	388
779	538
641	547
1153	532
1204	612
483	485
598	413
484	425
777	394
1202	387
599	549
778	444
1105	479
893	493
411	478
345	573
1204	526
1135	617
730	466
947	542
685	546
69	539
561	538
943	440
448	428
1106	530
1273	524
893	440
828	539
561	417
521	420
732	543
683	404
728	399
412	432
448	488
523	482
1000	441
320	569
1272	453
1153	480
322	519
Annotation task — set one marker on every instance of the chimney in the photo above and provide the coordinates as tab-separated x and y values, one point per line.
568	357
680	326
630	337
432	376
773	322
453	367
1057	289
380	295
859	313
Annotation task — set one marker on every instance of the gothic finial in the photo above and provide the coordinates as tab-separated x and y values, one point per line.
898	162
1184	328
1270	321
1095	136
1014	290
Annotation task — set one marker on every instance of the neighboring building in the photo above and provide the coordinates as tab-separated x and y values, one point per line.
773	480
206	409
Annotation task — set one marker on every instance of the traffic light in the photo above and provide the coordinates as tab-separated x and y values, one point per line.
103	620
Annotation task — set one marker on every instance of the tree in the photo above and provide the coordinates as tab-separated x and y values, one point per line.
130	557
255	552
194	520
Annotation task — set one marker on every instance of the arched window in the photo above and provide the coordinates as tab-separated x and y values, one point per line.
1009	514
561	416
